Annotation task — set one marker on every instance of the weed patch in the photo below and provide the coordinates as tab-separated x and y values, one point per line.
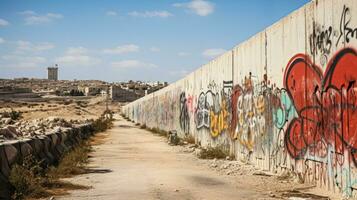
72	163
32	179
102	124
26	178
159	132
189	139
213	152
14	115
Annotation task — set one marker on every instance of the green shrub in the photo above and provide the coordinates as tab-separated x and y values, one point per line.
14	115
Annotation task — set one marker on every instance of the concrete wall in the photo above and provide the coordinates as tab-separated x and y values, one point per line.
284	99
48	148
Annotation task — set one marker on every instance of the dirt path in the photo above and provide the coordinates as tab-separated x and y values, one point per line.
132	163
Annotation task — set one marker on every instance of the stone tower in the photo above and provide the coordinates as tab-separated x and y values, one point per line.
53	73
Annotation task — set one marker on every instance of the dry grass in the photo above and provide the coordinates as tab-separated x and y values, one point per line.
102	124
26	181
32	180
159	132
213	152
189	139
72	163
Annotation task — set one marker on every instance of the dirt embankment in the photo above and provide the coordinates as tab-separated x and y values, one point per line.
29	117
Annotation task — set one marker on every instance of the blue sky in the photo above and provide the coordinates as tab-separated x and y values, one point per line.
117	40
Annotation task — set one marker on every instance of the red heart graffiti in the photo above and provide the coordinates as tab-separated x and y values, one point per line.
326	105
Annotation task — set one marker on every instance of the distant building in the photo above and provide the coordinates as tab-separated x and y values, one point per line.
116	93
53	73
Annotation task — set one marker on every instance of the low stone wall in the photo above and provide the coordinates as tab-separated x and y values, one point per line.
49	148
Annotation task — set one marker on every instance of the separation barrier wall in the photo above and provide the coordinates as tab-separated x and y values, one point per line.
283	100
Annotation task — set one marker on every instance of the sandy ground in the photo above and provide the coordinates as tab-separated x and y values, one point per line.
68	108
131	163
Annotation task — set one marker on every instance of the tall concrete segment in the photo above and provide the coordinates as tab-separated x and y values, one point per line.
52	73
284	100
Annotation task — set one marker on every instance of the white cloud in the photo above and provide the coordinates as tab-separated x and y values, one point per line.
76	51
133	64
15	61
2	40
212	53
28	46
3	22
32	18
154	49
128	48
183	54
111	13
77	56
145	14
199	7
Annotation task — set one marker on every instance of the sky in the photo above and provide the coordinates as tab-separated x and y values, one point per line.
121	40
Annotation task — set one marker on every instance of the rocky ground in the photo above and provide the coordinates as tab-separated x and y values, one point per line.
284	185
27	118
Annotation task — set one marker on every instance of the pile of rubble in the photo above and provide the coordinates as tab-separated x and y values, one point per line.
229	167
15	129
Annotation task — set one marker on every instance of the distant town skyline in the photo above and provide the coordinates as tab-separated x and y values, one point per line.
126	40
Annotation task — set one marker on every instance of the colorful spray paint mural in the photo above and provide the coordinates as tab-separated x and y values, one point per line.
214	109
270	104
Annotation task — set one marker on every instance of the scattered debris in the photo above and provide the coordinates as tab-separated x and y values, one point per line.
16	129
262	173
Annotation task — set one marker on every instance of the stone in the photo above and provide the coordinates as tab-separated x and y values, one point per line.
6	121
11	153
198	152
9	132
214	165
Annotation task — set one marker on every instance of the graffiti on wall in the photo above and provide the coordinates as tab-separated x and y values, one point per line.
247	114
326	105
347	32
308	125
260	112
184	115
220	114
214	108
322	38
